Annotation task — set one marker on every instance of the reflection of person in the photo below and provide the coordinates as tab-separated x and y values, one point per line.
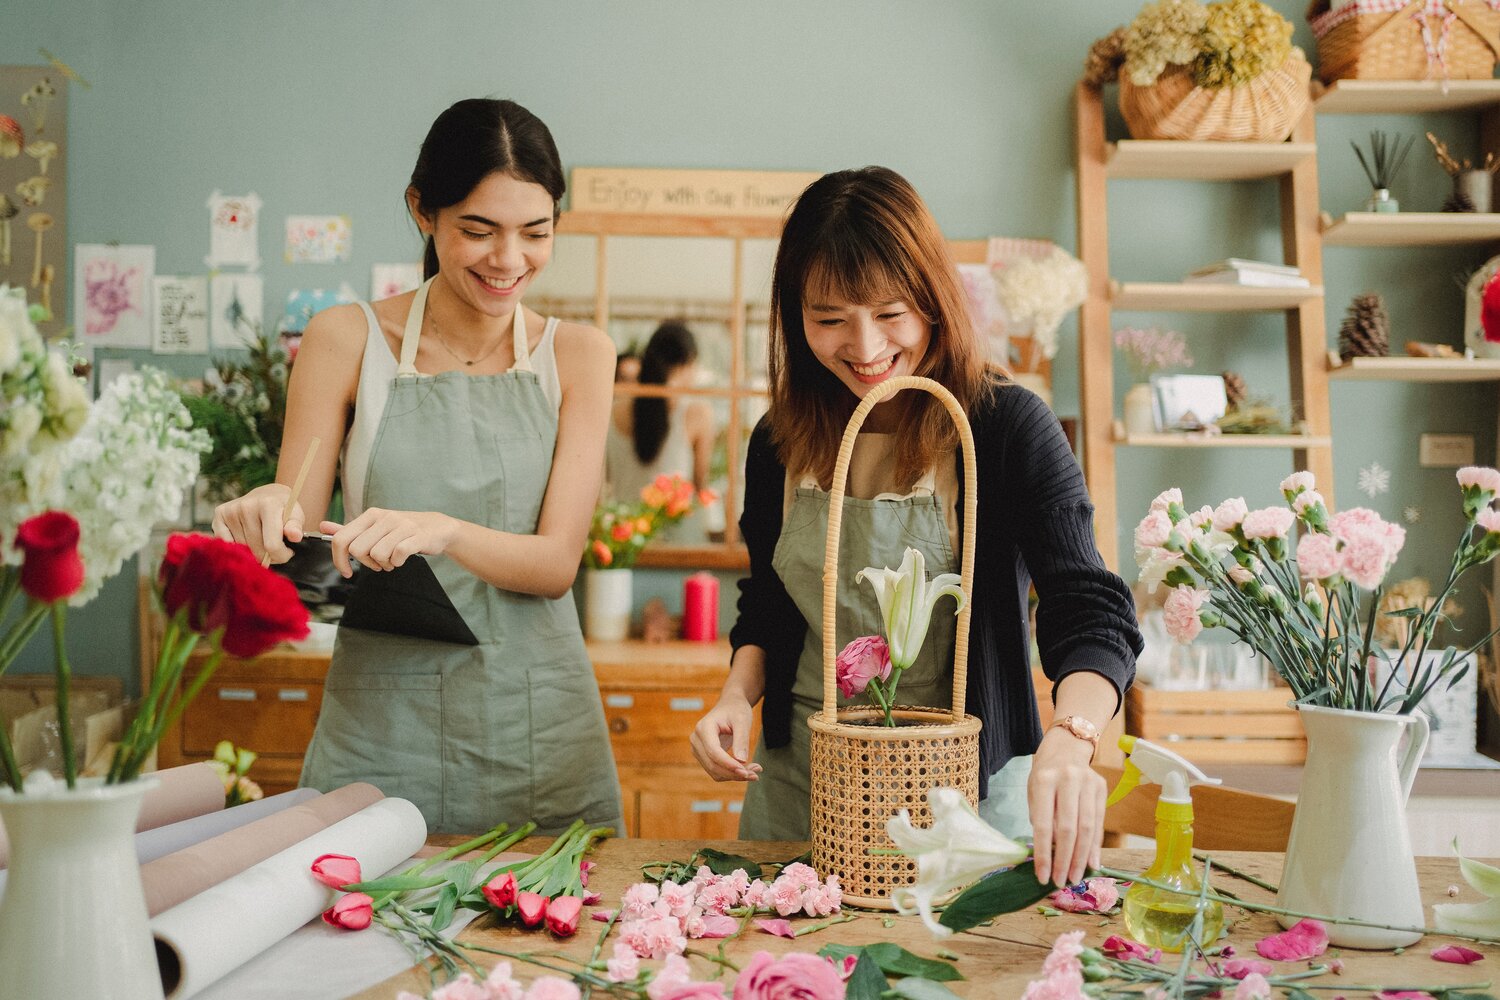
864	291
654	436
481	451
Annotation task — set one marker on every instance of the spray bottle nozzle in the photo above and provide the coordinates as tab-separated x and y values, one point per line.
1157	765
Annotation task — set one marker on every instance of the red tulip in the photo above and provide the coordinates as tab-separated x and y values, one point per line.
501	891
562	915
352	912
533	907
336	870
51	568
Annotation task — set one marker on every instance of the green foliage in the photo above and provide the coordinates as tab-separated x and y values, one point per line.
242	405
894	960
999	892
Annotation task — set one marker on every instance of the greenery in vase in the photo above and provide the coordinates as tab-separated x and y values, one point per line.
242	406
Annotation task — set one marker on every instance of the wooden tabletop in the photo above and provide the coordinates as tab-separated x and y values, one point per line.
997	960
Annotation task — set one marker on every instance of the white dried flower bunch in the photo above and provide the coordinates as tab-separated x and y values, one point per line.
1037	292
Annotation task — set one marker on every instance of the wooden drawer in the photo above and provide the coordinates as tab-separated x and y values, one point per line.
681	805
653	726
269	717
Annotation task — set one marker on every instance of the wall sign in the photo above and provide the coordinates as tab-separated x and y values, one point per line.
744	193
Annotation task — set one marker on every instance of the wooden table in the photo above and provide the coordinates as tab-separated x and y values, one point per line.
998	960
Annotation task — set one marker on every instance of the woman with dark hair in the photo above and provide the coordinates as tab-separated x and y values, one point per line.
471	431
654	435
863	291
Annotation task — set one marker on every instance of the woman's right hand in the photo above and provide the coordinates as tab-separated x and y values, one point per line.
255	519
721	740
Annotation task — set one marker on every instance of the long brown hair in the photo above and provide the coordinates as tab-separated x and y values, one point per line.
866	236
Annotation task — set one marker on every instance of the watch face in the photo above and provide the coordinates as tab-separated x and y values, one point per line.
1081	728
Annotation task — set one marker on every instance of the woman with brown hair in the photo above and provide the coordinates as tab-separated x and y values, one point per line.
863	291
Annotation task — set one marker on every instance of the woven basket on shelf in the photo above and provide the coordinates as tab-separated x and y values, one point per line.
862	775
1264	110
1406	39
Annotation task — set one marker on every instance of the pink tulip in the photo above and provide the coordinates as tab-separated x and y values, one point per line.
862	660
501	891
352	912
533	907
336	870
562	915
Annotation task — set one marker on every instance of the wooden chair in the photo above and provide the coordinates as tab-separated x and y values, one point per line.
1224	819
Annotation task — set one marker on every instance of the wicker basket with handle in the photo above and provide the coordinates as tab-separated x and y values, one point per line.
1406	39
863	774
1265	109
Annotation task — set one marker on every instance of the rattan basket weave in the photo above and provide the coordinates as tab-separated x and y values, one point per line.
862	775
1264	110
1420	40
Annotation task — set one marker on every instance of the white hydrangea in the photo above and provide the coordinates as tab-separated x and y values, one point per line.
1037	292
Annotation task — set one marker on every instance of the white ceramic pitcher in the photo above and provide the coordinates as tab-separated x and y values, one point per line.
1350	852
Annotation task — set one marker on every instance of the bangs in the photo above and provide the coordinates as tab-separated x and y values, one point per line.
855	275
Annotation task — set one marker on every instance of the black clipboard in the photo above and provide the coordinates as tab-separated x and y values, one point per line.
407	600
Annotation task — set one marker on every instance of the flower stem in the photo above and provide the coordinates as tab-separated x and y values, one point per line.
842	918
1246	876
64	688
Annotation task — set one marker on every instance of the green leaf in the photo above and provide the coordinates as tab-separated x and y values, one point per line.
447	901
996	893
914	988
895	960
1297	993
463	875
397	883
721	863
866	983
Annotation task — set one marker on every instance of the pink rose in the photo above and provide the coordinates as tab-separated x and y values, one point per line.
1153	531
1268	522
1180	613
796	976
1229	514
1318	556
352	912
552	988
861	660
690	990
336	870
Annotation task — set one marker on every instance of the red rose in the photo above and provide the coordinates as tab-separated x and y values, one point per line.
221	585
51	569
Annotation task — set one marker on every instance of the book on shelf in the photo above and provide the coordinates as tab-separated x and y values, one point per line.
1245	264
1257	279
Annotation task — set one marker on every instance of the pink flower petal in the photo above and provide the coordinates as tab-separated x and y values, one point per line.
718	926
1116	946
1457	954
603	916
781	928
1239	968
1307	938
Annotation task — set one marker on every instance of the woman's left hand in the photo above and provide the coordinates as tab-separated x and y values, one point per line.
383	539
1066	797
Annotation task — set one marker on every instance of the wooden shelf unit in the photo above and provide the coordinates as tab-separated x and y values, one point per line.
1404	97
1197	440
1293	165
1413	370
1411	229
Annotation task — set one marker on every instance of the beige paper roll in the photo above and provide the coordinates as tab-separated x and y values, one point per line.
181	793
183	874
202	939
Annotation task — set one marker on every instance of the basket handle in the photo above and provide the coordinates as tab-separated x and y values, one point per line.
835	524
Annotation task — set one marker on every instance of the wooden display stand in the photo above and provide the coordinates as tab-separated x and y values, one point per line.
1216	727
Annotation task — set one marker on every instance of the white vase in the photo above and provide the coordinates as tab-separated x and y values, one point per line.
1350	852
1140	417
73	920
606	603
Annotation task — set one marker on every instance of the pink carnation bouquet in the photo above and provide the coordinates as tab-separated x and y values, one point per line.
1307	604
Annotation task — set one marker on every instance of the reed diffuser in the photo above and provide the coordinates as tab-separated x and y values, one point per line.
1386	158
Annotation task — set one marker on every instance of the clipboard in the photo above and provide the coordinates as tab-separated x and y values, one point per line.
407	600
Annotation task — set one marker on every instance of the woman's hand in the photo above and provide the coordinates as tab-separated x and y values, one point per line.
1066	797
721	740
383	539
256	520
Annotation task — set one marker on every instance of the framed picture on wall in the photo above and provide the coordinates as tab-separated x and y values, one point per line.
1187	402
33	192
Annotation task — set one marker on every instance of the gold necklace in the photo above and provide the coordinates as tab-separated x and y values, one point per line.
444	341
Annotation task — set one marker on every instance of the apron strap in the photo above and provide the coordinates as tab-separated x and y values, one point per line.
413	332
926	483
523	349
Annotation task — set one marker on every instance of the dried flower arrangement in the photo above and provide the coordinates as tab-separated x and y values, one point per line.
1225	44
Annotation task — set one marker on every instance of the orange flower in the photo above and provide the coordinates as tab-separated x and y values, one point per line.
602	553
643	525
621	532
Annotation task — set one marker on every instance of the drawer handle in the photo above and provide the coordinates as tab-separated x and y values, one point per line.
236	694
292	694
618	725
736	806
707	806
619	701
687	704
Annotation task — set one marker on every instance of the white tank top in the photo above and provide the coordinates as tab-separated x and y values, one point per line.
376	371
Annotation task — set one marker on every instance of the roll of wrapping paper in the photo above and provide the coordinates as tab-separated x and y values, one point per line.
202	939
185	873
181	793
158	843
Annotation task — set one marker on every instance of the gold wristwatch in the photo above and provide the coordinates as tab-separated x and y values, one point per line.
1080	727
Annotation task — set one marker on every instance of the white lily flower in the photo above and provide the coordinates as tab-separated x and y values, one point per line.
1474	919
957	850
906	600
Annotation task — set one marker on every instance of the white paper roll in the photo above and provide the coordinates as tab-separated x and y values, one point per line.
202	939
153	844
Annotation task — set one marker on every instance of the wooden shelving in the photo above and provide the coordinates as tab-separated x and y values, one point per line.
1197	440
1158	159
1402	97
1414	370
1411	229
1201	297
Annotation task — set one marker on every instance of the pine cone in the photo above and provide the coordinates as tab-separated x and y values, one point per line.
1105	56
1365	332
1235	389
1459	201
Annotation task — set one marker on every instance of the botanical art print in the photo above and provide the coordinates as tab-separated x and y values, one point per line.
112	298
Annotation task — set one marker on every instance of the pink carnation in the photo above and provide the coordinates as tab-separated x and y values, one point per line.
1485	479
758	895
803	875
1153	531
552	988
624	966
501	986
1166	498
1253	987
462	988
786	896
1347	521
1268	522
1488	519
1180	613
1318	556
861	661
660	937
1059	984
1307	499
678	898
1065	952
1297	482
1364	559
719	897
1229	514
637	900
1202	518
819	902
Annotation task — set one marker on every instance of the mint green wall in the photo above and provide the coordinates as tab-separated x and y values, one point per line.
319	108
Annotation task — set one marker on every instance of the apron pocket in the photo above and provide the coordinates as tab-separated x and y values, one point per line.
573	766
526	464
386	729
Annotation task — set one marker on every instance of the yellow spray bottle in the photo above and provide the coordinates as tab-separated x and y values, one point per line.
1162	918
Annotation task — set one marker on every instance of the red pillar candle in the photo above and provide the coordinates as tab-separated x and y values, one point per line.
700	607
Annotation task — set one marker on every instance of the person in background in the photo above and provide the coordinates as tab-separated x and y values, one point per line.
864	291
655	435
472	432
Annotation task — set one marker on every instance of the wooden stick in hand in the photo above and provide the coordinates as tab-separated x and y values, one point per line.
291	500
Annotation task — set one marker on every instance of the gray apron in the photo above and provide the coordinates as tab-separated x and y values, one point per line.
874	533
511	729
